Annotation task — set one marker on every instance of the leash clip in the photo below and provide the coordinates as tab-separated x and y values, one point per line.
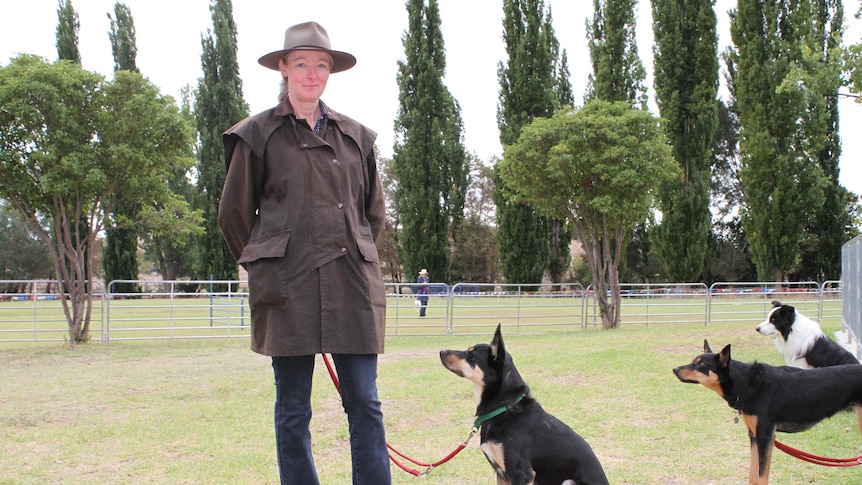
427	470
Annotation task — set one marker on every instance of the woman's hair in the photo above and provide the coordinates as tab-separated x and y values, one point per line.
282	94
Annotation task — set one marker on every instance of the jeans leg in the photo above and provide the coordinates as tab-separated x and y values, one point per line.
357	375
292	416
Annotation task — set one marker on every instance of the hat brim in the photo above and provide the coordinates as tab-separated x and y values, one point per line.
341	61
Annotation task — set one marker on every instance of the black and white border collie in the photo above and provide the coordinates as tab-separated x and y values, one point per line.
801	341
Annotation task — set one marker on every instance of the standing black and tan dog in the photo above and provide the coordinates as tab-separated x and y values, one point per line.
524	444
770	399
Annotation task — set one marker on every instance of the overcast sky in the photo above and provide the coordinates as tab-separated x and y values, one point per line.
169	47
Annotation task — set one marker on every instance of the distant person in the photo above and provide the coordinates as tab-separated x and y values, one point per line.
422	283
301	209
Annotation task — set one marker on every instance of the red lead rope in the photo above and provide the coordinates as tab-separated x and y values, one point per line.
818	460
412	471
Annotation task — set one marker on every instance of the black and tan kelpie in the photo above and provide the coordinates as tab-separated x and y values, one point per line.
770	398
523	443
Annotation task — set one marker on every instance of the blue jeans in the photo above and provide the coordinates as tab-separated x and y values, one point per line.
357	375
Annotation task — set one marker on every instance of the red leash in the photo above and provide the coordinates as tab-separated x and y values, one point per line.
412	471
818	460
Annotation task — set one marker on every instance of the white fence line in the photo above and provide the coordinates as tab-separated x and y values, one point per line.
173	309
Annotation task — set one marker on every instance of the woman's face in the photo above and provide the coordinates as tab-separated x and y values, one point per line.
306	73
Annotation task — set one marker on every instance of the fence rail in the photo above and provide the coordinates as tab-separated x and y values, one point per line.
32	310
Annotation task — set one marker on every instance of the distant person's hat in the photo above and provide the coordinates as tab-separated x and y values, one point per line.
424	271
308	36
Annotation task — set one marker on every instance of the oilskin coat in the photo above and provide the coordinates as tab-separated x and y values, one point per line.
301	213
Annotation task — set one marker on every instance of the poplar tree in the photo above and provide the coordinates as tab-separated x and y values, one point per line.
686	85
218	106
120	255
532	81
68	26
820	74
780	176
560	231
429	159
122	37
618	73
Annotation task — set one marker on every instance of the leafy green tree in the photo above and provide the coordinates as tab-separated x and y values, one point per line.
429	159
618	76
30	258
120	256
69	142
533	81
173	252
781	179
599	167
618	73
68	26
218	106
686	84
853	65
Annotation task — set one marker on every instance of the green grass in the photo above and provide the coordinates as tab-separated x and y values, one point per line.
200	411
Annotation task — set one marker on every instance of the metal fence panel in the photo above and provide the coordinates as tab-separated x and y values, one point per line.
851	278
32	311
192	309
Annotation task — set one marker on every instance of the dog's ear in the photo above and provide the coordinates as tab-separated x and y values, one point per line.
724	356
776	303
498	350
706	349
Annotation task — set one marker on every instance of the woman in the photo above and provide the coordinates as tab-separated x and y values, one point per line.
301	209
422	291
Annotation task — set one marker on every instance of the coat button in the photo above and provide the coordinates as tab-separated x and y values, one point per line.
343	250
340	205
335	161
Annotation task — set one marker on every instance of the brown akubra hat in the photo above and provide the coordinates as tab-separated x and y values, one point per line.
308	36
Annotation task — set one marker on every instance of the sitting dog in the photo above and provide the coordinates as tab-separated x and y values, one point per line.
523	443
770	399
803	344
800	340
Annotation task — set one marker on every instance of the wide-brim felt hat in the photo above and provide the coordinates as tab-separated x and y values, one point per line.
308	36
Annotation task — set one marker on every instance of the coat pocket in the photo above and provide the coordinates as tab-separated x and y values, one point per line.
269	246
263	259
367	248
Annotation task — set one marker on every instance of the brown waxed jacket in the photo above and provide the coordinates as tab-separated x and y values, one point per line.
301	213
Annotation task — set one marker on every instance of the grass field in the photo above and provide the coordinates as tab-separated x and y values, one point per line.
200	411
